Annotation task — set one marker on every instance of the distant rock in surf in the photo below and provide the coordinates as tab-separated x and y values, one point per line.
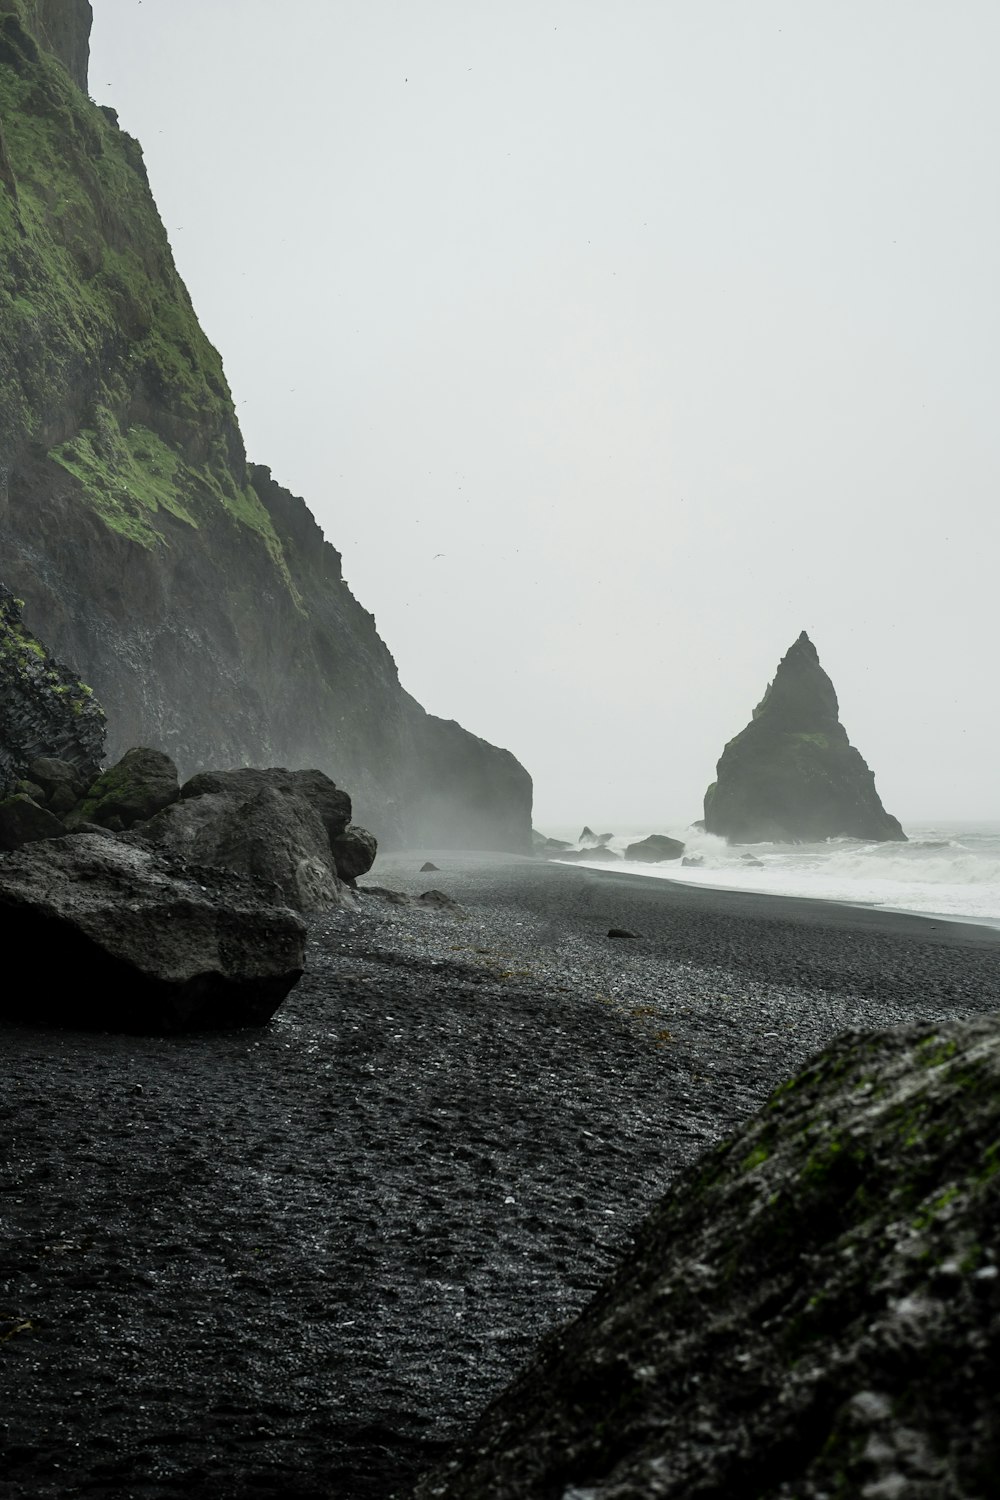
654	850
792	775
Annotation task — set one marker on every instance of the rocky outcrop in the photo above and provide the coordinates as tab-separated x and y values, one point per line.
654	850
47	711
792	775
354	852
111	936
596	852
813	1311
197	595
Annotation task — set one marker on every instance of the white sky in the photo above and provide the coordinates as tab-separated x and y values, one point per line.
674	326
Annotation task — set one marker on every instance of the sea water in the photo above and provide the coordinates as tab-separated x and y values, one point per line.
946	869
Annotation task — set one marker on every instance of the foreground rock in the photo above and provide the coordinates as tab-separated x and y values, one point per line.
46	710
814	1311
792	775
274	825
114	936
654	850
354	852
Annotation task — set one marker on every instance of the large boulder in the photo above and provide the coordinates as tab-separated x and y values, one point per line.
142	783
792	775
331	802
110	935
259	825
354	852
44	708
654	850
813	1311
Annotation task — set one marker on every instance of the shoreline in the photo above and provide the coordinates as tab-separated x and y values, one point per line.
300	1260
965	921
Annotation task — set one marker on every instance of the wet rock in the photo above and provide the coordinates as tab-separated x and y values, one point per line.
57	780
22	821
260	828
139	786
693	861
597	852
121	938
813	1310
331	802
426	868
621	932
589	839
354	852
439	899
383	893
44	709
654	850
792	775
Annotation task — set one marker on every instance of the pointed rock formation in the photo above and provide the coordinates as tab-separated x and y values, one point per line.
792	775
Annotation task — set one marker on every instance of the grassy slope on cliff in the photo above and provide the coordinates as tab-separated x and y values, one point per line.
102	360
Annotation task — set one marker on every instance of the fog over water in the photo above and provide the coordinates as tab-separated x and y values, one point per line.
613	345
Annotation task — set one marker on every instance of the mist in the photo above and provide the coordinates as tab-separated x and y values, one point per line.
613	347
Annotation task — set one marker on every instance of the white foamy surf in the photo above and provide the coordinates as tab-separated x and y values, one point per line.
948	870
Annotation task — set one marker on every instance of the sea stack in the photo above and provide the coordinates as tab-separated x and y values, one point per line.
792	775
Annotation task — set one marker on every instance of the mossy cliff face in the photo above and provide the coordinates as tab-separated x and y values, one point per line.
792	775
813	1312
196	595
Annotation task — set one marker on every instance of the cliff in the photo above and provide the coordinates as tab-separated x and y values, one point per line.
196	595
792	774
813	1312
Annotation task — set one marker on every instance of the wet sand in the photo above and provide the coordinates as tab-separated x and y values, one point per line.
298	1262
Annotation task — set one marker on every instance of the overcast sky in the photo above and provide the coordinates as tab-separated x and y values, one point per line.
614	343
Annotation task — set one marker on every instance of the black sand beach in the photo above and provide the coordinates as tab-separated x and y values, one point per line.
298	1262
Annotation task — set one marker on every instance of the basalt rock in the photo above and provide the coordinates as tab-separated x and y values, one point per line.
45	711
112	936
654	850
22	821
354	852
598	852
262	824
198	596
792	775
814	1310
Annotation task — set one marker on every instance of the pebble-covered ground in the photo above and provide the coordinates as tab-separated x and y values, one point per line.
298	1262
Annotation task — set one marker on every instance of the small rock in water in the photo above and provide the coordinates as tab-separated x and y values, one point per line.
426	866
621	932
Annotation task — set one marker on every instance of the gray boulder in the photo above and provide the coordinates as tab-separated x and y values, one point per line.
59	782
142	783
329	801
118	937
22	821
259	829
354	852
598	851
654	850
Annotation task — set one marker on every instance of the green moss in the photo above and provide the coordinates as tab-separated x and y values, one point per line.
102	359
755	1157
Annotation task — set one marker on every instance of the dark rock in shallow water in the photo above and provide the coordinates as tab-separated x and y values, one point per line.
792	775
654	850
117	937
693	861
142	783
22	821
813	1311
261	826
44	709
591	840
354	852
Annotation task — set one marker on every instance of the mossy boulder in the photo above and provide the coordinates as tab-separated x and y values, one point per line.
139	786
792	775
813	1311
